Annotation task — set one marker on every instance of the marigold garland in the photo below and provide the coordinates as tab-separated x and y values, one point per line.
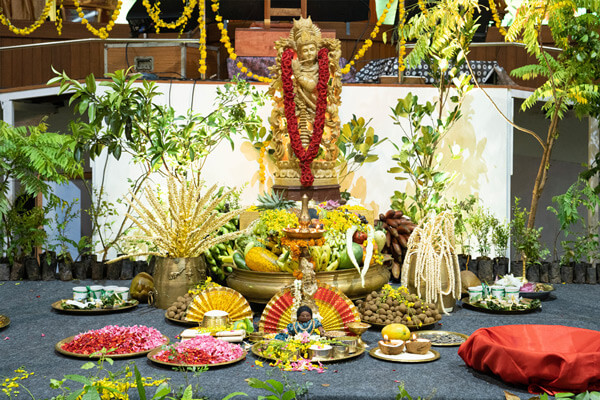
32	27
202	39
154	12
402	39
102	33
261	161
496	17
305	156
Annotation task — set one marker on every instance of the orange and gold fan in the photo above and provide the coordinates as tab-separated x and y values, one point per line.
219	298
335	308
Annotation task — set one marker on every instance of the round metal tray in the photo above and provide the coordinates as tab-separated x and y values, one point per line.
58	347
359	351
405	357
411	327
470	306
457	343
152	353
57	305
182	322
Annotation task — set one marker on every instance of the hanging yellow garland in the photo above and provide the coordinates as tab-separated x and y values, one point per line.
59	21
496	17
368	43
154	12
261	161
102	33
202	39
31	28
402	38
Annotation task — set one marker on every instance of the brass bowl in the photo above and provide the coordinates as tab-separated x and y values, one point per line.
358	327
350	341
259	287
340	350
213	319
324	352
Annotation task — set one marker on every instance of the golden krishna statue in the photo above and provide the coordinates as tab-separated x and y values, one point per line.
306	91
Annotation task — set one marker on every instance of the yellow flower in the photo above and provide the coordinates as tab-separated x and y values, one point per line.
258	363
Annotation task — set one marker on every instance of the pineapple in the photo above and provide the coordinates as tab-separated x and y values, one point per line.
274	201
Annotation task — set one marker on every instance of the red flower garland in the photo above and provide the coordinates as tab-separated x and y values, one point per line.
305	156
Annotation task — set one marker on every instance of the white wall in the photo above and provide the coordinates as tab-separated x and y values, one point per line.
484	169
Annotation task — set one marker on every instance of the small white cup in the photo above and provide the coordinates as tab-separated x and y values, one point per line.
97	291
109	290
497	292
511	293
122	292
475	293
80	293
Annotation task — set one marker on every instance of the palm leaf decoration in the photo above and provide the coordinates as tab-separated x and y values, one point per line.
184	226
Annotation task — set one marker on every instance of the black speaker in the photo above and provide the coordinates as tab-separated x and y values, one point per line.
318	10
170	10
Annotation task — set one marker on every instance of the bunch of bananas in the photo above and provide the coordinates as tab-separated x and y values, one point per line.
222	253
325	258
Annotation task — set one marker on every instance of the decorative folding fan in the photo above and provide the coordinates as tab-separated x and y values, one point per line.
219	298
335	308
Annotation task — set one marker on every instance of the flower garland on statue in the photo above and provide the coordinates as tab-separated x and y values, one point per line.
496	17
32	27
102	33
305	156
59	21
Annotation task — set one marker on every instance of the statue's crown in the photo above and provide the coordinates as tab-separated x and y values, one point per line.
304	32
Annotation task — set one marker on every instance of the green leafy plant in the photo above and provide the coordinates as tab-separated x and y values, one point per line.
570	76
584	243
482	222
462	231
271	385
356	142
500	237
442	35
525	240
404	395
580	396
64	214
126	118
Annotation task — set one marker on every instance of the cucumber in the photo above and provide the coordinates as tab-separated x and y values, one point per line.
239	261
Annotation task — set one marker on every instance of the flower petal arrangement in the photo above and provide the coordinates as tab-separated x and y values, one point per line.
201	350
116	340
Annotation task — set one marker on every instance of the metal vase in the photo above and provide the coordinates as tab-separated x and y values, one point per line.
173	277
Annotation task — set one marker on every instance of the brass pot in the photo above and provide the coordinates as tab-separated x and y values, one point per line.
446	302
173	277
259	287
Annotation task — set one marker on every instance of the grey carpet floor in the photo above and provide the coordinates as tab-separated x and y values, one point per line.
35	329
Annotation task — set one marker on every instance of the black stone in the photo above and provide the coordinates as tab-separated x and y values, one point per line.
566	273
485	270
65	267
554	272
591	275
579	272
80	270
126	269
4	271
32	268
113	270
516	268
48	264
17	272
544	272
533	273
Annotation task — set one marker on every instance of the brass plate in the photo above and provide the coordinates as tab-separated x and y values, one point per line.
376	353
58	347
411	327
462	335
183	322
536	295
359	351
153	352
58	307
470	306
4	321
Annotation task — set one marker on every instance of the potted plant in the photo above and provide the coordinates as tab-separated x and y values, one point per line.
481	223
178	230
500	238
462	231
527	244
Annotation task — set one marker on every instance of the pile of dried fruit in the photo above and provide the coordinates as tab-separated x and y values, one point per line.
178	309
398	229
389	306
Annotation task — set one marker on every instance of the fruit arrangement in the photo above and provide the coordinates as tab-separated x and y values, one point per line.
398	229
397	306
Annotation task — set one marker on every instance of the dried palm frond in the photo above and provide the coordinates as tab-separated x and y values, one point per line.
186	225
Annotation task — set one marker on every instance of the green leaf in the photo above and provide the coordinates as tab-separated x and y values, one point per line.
79	378
161	391
139	383
278	386
234	394
187	393
88	365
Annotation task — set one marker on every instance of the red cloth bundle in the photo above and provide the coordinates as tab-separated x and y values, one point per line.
549	358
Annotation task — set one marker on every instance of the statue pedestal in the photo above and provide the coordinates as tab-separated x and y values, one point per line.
316	193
